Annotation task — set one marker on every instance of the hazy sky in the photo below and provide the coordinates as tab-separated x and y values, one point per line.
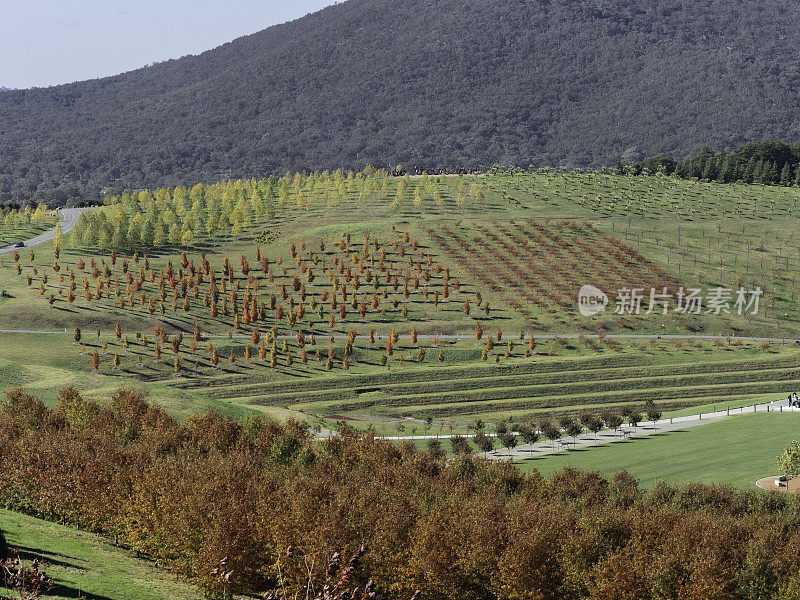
46	42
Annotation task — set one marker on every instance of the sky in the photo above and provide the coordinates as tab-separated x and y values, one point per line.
47	42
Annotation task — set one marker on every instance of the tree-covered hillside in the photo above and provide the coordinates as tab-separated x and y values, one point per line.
444	83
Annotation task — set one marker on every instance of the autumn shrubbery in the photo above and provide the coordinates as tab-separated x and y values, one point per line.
273	506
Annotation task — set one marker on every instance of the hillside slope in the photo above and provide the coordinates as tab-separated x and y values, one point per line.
442	83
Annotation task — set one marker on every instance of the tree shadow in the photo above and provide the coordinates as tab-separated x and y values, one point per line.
28	554
66	591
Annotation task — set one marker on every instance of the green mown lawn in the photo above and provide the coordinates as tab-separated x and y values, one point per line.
83	565
738	451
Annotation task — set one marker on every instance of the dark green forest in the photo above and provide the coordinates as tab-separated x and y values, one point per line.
441	84
768	163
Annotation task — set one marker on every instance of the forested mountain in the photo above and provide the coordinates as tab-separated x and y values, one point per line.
427	83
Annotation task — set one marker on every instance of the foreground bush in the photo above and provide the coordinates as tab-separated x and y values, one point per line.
249	494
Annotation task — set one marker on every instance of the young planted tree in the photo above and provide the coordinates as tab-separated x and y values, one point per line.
528	432
789	460
592	422
435	449
634	418
612	420
653	412
550	430
486	444
508	440
574	429
460	445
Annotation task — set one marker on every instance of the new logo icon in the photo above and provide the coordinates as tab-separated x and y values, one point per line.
591	300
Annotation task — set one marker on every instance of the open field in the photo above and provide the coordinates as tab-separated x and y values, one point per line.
83	565
737	450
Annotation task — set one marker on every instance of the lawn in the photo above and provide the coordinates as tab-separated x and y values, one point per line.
83	565
737	451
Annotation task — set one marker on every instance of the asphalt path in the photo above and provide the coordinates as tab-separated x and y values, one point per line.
69	218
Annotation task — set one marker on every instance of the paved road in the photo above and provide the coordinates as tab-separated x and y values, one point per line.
69	217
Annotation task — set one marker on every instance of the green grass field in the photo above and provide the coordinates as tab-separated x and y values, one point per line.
82	565
737	451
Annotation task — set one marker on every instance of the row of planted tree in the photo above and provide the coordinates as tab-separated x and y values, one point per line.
255	507
319	289
223	211
509	434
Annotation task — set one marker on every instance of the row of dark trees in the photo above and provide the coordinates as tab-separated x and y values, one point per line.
768	163
508	433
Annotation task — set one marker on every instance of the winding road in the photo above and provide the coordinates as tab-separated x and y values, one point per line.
69	218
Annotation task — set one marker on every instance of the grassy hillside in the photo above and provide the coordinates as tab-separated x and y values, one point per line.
83	565
286	299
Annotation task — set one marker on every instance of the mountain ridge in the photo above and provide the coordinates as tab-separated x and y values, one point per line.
442	84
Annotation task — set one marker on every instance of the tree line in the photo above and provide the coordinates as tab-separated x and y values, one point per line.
453	94
255	506
18	218
185	217
768	163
